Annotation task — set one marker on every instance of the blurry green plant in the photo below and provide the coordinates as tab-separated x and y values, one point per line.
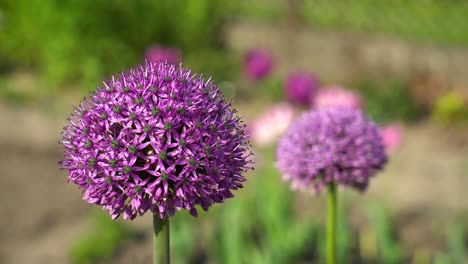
183	237
429	20
390	251
344	237
386	101
260	226
106	238
456	242
75	40
450	108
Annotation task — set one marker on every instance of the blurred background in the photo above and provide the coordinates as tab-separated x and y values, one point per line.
402	62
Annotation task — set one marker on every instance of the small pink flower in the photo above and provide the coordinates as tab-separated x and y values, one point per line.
268	127
392	136
332	96
258	64
163	54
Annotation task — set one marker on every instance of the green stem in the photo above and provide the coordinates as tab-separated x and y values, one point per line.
331	225
161	252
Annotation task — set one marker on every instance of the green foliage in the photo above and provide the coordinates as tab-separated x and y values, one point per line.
260	226
183	237
456	242
430	20
86	39
344	236
102	243
220	65
390	250
450	108
388	101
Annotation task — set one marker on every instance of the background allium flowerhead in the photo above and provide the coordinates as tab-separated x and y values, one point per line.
331	145
163	54
268	127
336	96
300	87
258	64
392	135
155	138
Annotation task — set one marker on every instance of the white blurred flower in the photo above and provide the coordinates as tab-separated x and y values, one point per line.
269	126
332	96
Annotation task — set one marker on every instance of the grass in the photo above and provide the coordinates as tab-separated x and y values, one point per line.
441	22
102	242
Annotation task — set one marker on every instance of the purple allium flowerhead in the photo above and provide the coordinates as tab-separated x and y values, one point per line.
156	138
300	87
163	54
331	145
334	96
258	64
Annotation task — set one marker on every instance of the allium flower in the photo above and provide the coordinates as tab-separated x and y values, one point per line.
392	136
270	125
258	64
155	138
300	87
331	145
163	54
336	96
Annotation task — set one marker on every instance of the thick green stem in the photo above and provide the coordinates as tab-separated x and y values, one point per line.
331	225
161	252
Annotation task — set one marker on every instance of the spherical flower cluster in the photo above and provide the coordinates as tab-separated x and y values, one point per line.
258	64
331	145
336	96
163	54
269	126
155	138
300	87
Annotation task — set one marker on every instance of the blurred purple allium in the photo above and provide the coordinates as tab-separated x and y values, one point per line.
258	64
331	145
392	135
336	96
300	87
268	127
163	54
155	138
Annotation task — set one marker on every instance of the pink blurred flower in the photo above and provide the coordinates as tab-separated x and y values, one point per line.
268	127
392	136
300	87
336	96
258	64
163	54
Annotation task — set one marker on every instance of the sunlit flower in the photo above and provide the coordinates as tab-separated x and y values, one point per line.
156	138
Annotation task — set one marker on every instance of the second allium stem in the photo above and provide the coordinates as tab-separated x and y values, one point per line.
331	224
